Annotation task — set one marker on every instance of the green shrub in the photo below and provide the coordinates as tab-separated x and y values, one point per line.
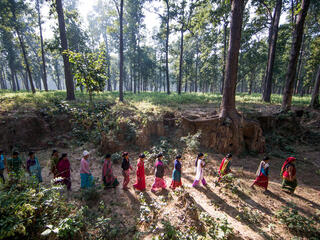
298	224
216	228
26	209
116	157
192	141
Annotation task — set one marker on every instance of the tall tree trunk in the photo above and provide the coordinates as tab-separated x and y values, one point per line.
298	79
294	54
20	37
167	47
105	37
121	52
17	81
228	104
315	94
181	61
25	81
225	28
197	66
266	95
64	45
13	82
44	76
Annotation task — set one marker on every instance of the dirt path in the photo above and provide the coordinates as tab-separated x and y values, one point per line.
249	212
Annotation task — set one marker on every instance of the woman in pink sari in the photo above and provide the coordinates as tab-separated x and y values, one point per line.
109	180
63	169
159	182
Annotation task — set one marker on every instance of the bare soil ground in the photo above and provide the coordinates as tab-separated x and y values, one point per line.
250	212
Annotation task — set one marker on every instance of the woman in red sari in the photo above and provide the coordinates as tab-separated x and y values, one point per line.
63	169
288	174
262	174
141	181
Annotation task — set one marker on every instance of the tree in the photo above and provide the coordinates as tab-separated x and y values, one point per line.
121	59
45	81
64	45
89	70
273	32
315	94
228	105
16	9
167	20
294	54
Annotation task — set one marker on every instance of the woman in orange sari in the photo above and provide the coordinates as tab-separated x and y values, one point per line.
225	166
141	179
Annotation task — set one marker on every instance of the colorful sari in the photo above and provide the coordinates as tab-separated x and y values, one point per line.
63	170
34	168
176	175
262	175
107	175
159	182
224	168
288	173
141	179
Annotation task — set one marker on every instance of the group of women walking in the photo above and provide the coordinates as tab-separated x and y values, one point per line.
61	169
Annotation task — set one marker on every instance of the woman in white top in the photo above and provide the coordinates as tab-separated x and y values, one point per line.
200	163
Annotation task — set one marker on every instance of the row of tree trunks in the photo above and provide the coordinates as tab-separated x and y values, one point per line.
167	46
272	52
64	45
44	73
315	94
294	55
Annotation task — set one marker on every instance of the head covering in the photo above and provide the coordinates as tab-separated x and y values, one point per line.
265	158
15	153
85	153
53	152
289	160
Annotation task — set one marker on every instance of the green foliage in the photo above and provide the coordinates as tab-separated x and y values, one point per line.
116	157
164	147
34	209
216	228
250	216
89	70
298	224
192	141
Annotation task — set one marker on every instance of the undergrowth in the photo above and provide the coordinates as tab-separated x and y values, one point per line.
297	224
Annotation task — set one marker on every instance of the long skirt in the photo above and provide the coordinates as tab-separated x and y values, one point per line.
126	178
262	181
176	179
159	183
140	184
86	180
289	185
111	184
67	182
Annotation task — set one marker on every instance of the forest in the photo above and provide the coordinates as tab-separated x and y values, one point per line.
204	100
